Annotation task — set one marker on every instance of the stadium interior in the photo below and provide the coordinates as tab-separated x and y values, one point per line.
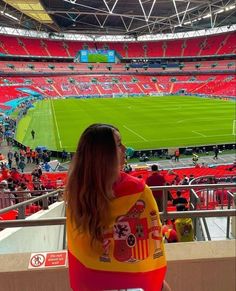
77	49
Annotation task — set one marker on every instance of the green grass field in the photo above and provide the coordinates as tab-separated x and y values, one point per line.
144	122
97	58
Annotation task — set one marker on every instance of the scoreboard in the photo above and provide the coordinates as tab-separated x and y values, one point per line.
96	56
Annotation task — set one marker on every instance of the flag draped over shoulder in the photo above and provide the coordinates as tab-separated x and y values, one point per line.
132	253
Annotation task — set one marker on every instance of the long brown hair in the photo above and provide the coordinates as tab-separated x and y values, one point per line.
92	173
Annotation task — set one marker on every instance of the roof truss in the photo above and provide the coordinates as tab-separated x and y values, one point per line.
134	18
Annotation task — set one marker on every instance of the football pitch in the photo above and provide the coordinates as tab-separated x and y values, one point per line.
144	122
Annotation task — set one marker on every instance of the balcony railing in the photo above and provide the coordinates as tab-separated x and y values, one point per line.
193	211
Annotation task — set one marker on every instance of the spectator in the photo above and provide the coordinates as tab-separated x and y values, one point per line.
33	156
177	155
25	195
233	166
28	155
204	165
195	159
10	155
37	172
17	158
176	180
49	185
59	183
63	156
127	168
216	152
156	179
11	184
5	172
185	180
144	158
6	198
22	165
109	213
169	234
9	163
184	227
47	167
180	199
15	175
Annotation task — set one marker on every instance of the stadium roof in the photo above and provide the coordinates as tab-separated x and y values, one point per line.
132	18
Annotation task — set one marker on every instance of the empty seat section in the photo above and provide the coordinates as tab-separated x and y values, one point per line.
34	47
228	44
55	48
135	50
12	45
74	47
174	48
119	48
155	49
193	46
211	45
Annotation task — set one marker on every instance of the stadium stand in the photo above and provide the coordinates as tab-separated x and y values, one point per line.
44	67
70	85
201	46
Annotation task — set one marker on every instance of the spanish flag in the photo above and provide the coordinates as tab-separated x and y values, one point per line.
132	253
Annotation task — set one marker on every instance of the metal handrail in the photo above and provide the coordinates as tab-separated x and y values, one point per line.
31	200
163	215
169	215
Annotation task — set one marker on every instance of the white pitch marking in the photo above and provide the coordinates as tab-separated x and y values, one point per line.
53	112
135	133
199	133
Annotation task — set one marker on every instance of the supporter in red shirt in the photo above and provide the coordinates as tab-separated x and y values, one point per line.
15	175
156	179
5	173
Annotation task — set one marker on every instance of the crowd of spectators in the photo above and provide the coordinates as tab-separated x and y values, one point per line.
19	158
7	130
33	184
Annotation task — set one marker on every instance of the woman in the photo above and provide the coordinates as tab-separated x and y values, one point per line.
113	227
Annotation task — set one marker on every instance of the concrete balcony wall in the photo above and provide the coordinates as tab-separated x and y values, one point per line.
195	266
202	266
31	239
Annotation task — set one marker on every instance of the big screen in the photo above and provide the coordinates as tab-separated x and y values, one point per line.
97	56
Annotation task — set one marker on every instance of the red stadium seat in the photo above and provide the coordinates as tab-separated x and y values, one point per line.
10	215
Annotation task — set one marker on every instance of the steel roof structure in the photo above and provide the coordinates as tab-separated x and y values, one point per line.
132	18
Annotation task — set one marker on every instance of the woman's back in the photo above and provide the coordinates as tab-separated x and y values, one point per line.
113	226
131	254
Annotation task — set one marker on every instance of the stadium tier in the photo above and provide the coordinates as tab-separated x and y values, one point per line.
218	66
108	85
201	46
